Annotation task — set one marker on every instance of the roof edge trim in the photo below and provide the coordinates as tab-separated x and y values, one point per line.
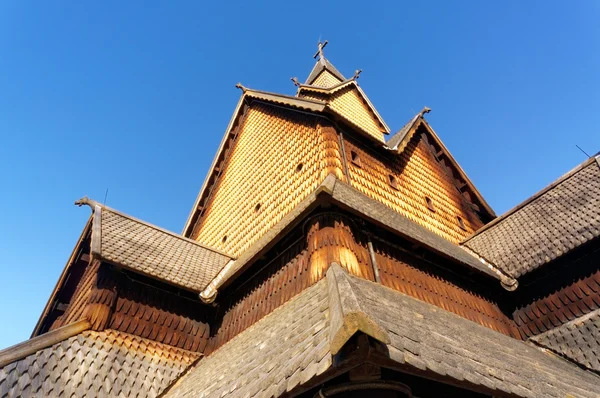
347	316
63	275
96	206
187	229
460	170
536	195
28	347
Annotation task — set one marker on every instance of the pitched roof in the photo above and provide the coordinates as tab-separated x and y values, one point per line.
321	65
295	343
349	104
400	136
355	201
287	347
96	364
554	221
578	340
147	249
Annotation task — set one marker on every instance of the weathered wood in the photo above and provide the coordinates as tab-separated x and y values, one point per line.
35	344
346	314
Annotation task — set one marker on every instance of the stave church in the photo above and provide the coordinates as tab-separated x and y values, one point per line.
326	257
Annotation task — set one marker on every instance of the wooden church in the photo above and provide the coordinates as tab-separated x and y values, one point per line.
324	259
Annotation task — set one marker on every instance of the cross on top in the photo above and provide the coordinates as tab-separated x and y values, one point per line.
319	53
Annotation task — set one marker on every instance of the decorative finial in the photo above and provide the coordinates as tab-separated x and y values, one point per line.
424	111
239	85
356	74
319	53
296	82
86	201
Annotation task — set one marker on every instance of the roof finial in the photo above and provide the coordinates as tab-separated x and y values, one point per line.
356	74
424	111
319	53
239	85
296	82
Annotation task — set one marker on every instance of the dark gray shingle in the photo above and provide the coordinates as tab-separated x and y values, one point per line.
553	222
578	340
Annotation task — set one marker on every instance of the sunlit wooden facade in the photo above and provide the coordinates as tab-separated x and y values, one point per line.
325	256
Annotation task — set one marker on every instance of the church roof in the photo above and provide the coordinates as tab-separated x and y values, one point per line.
352	111
147	249
295	344
578	340
554	221
323	65
351	199
106	363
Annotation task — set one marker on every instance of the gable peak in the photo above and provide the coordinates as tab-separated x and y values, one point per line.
323	74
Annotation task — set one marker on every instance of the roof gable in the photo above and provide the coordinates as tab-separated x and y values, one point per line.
322	65
350	102
402	137
326	79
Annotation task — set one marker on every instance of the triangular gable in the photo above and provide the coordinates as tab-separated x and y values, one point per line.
321	65
399	141
326	79
349	101
350	104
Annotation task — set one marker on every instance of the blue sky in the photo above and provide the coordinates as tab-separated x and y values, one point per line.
134	97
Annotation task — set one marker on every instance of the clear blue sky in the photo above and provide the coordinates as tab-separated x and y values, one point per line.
135	96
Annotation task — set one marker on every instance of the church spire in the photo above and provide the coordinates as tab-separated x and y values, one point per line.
324	74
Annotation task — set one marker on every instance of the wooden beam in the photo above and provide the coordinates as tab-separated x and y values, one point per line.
28	347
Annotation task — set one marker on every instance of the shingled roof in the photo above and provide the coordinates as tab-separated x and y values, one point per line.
556	220
578	340
297	341
147	249
107	363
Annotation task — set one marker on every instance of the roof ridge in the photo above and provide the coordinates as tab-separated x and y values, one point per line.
346	313
292	97
92	203
400	134
32	345
565	177
328	90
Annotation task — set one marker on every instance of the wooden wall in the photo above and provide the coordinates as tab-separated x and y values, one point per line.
418	175
277	156
130	303
276	160
334	236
